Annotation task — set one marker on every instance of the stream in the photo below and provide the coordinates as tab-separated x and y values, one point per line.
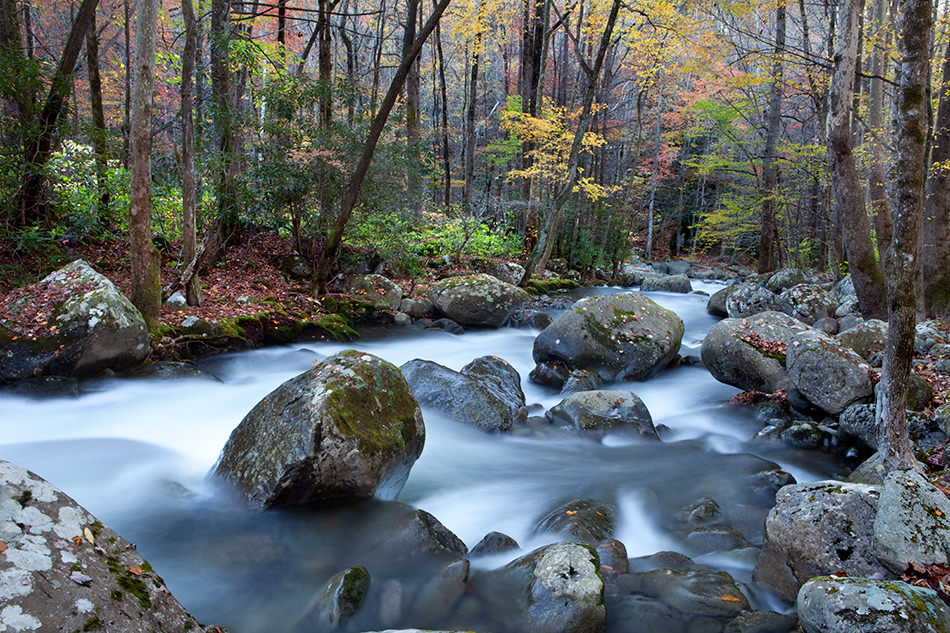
136	453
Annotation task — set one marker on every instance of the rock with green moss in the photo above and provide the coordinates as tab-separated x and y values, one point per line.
850	605
816	529
554	589
623	336
374	289
466	398
74	322
750	353
63	570
477	299
347	429
599	411
342	597
784	278
866	338
830	376
912	523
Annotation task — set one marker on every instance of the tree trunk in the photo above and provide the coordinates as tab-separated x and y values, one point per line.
38	149
847	194
189	227
331	250
412	111
881	214
127	104
444	112
325	62
542	250
902	263
222	93
469	173
768	235
146	285
936	245
99	132
656	166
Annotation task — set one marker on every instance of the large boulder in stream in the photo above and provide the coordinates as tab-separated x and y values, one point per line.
830	376
750	353
807	303
74	322
347	429
623	336
596	412
465	398
61	569
749	298
477	299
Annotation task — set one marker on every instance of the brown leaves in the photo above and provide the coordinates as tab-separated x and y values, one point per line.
3	546
135	570
752	398
934	576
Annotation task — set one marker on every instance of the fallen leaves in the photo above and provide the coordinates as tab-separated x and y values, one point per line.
135	570
728	598
3	546
934	576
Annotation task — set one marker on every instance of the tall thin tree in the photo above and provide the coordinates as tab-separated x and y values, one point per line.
189	228
769	246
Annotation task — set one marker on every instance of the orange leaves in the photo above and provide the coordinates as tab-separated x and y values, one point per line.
728	598
3	546
135	570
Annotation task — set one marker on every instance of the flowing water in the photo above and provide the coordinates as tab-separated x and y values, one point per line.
136	453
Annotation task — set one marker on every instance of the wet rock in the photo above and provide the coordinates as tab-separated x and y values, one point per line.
415	309
715	539
581	380
166	370
845	605
418	532
866	338
783	279
818	528
750	353
638	614
716	305
702	512
477	299
596	412
807	303
499	377
830	376
438	597
666	283
665	560
494	543
340	599
624	336
43	387
553	589
693	593
749	299
762	622
90	326
374	289
807	435
446	325
63	570
458	396
580	519
550	374
347	429
535	319
912	523
613	555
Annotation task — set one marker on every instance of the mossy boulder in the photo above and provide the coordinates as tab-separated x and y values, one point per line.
807	303
817	529
716	305
478	299
912	523
74	322
624	336
830	376
342	597
63	570
374	289
347	429
866	338
666	283
849	605
750	353
599	411
581	520
784	278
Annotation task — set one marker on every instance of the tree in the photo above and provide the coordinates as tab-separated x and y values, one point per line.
769	240
146	284
188	185
936	246
902	259
847	193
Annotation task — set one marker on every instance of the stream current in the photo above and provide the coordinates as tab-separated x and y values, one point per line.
137	452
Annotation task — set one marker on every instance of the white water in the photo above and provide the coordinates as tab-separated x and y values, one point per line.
136	453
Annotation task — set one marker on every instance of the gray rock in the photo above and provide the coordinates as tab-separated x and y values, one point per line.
437	598
63	570
402	319
849	321
446	325
692	592
806	302
927	334
581	380
842	290
613	554
166	370
43	387
347	429
458	396
625	336
828	325
850	306
634	613
818	528
749	299
750	353
678	267
666	283
783	279
89	326
716	305
494	543
857	424
342	596
477	299
374	289
715	539
866	338
177	300
940	350
762	622
499	377
830	376
529	319
417	532
596	412
870	471
849	605
551	374
509	272
942	366
554	589
415	309
912	523
942	417
296	267
581	520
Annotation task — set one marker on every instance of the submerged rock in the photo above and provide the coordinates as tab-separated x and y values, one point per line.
62	570
848	605
477	299
341	598
582	520
624	336
87	326
347	429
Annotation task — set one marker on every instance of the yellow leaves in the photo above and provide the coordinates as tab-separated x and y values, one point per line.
89	536
728	598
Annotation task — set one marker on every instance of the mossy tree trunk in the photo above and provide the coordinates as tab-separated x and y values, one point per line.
188	185
936	245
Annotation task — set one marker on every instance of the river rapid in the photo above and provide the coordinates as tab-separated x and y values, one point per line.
137	452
